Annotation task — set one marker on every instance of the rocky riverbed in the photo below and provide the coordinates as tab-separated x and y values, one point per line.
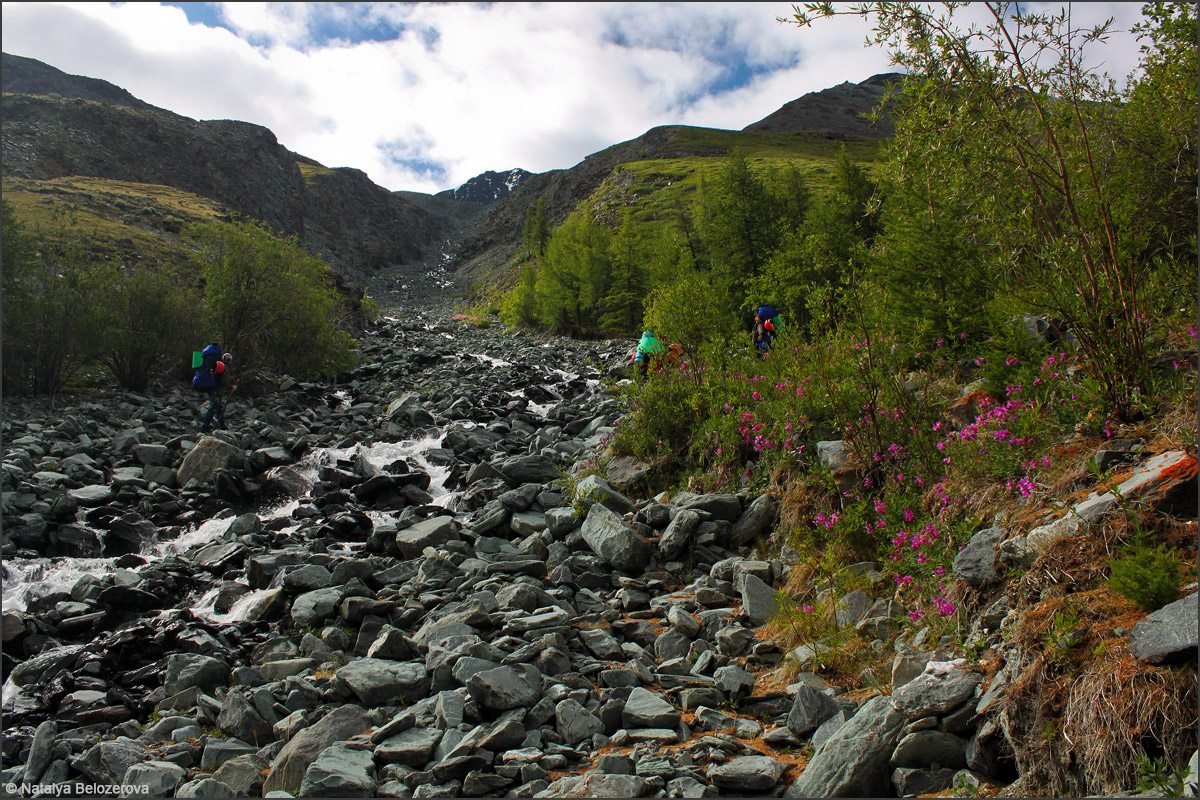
407	585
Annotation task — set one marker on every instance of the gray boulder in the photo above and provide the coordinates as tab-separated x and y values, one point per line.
575	723
854	762
759	601
205	787
833	455
291	763
378	682
810	708
754	521
722	506
625	471
243	775
975	563
152	779
594	489
747	773
316	606
1168	635
107	762
596	784
505	687
340	771
40	751
209	456
921	749
911	782
412	747
433	532
610	538
241	720
941	688
645	709
185	670
678	535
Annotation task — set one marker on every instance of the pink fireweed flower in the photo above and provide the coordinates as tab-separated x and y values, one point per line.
914	615
908	515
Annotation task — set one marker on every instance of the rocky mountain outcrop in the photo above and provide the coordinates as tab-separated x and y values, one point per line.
360	227
20	75
488	187
838	110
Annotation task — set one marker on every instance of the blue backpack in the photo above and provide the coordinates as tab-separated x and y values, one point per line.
205	378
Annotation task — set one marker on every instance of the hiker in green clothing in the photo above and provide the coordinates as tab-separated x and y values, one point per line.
647	348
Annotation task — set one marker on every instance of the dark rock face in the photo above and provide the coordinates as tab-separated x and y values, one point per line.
488	187
838	110
338	213
22	75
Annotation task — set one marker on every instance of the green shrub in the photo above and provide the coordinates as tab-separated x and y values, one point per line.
150	316
1149	576
51	325
269	301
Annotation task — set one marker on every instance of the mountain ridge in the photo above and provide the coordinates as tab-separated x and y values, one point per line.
57	125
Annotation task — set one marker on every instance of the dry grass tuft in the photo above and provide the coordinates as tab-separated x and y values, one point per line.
1118	708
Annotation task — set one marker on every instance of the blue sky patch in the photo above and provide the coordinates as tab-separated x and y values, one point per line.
204	14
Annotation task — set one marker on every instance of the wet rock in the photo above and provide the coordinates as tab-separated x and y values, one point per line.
209	456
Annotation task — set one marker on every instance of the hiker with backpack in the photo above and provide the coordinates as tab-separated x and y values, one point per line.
767	326
211	365
647	348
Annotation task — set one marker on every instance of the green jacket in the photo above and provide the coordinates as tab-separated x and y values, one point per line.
648	346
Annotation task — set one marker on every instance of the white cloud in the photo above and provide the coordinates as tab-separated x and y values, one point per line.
465	88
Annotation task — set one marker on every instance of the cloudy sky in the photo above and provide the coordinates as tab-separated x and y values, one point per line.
425	96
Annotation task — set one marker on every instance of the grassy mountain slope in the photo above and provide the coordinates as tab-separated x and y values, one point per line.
655	174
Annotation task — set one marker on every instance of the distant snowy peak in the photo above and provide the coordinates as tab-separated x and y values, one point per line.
488	187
